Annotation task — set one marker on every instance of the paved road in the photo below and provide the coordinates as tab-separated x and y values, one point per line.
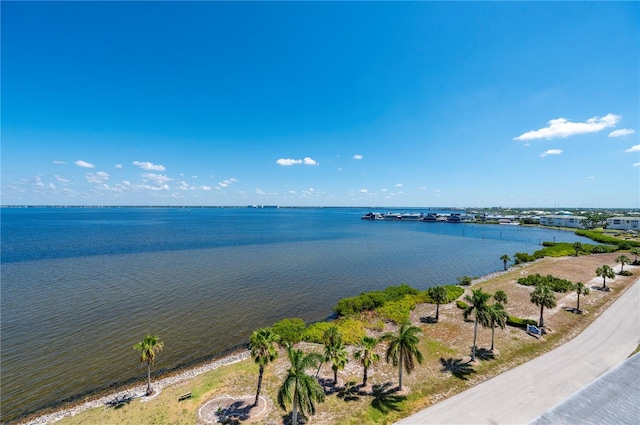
520	395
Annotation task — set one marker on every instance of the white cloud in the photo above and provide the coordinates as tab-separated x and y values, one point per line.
149	166
59	162
384	190
61	179
207	188
99	177
288	161
158	178
227	182
635	148
621	132
399	185
562	127
591	178
637	164
118	165
363	191
357	156
551	152
84	164
260	192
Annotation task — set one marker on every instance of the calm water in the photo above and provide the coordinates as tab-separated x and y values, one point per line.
81	286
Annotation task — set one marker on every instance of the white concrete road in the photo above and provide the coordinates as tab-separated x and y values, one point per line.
520	395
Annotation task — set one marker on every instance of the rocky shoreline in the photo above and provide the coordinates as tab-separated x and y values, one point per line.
139	390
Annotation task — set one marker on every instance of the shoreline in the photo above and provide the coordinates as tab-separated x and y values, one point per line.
137	391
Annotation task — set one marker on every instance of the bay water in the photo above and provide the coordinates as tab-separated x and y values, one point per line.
80	286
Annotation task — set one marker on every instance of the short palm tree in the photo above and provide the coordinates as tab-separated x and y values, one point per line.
338	356
504	259
498	318
148	348
403	349
581	289
605	272
439	295
501	297
578	247
478	304
365	354
332	337
264	351
299	389
636	253
543	296
622	259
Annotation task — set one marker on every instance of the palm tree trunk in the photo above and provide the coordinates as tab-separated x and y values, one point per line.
294	413
493	331
541	321
505	264
400	374
475	335
260	373
604	283
149	389
437	311
364	378
335	376
578	306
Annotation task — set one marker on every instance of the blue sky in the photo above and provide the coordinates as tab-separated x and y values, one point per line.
321	104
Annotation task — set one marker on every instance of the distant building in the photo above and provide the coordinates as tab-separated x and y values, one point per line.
623	223
562	220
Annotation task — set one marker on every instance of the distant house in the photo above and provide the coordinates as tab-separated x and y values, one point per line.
623	223
562	220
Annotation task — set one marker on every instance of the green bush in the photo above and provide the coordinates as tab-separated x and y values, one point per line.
352	330
290	330
464	280
555	283
370	301
315	331
398	311
523	257
395	293
625	273
520	323
606	239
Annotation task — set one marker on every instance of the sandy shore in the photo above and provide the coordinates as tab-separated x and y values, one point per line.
139	391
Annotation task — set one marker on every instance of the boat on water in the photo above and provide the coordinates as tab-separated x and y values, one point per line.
454	218
403	216
372	216
430	218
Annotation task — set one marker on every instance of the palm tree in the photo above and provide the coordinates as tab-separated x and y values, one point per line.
605	272
148	348
543	297
578	247
636	253
403	349
337	355
580	290
504	259
478	303
498	317
622	259
439	295
330	338
263	351
366	355
299	389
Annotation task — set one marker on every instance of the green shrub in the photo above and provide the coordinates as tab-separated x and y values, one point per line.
462	305
370	301
606	239
625	273
315	331
520	323
290	330
352	330
395	293
523	257
453	292
555	283
398	311
464	280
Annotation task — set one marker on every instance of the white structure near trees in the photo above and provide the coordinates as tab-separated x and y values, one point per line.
574	221
623	223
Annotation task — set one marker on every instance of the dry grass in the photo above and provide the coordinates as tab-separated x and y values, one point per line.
446	346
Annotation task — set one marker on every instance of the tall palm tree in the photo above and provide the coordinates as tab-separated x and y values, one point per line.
498	318
338	356
478	304
332	337
605	272
403	349
148	348
581	289
622	259
439	295
578	247
498	315
365	354
264	351
299	389
543	297
504	259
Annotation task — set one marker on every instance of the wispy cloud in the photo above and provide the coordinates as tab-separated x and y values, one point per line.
59	162
637	164
363	191
84	164
99	177
551	152
285	162
399	185
61	179
149	166
157	178
357	156
260	192
635	148
118	165
227	182
621	132
562	127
